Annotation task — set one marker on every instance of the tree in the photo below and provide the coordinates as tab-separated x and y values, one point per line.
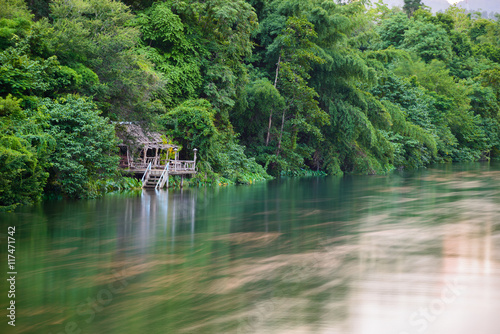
86	145
428	41
479	28
24	73
176	54
100	36
227	26
392	30
23	151
411	6
192	124
254	121
15	21
298	55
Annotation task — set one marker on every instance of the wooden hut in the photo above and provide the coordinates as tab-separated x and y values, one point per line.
151	155
138	148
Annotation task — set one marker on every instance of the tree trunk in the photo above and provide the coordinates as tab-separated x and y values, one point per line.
277	71
281	133
269	127
271	114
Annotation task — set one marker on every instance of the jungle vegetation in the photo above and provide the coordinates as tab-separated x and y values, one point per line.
259	87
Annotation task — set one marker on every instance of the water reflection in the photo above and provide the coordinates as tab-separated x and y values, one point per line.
407	253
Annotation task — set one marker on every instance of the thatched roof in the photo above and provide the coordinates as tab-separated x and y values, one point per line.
134	136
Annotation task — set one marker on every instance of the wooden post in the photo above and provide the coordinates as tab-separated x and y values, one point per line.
194	160
182	180
156	157
128	158
175	160
145	153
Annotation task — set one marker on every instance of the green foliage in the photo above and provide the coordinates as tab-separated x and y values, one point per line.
488	51
22	156
99	35
483	100
410	6
257	114
290	124
392	30
21	75
118	184
175	53
479	28
298	55
192	125
15	22
21	180
86	145
427	41
230	161
219	32
10	109
414	146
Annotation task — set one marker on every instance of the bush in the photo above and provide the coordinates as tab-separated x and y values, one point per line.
86	146
22	150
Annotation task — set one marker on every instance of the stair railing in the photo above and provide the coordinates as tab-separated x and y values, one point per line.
145	177
163	177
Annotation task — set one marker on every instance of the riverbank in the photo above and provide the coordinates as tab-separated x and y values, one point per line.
245	91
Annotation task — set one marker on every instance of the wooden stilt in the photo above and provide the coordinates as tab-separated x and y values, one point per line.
128	158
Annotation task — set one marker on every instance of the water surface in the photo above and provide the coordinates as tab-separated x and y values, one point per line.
412	252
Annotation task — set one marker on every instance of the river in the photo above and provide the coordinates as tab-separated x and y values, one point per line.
411	252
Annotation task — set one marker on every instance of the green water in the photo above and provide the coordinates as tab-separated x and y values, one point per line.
412	252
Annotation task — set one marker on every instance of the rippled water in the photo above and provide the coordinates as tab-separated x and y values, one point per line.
412	252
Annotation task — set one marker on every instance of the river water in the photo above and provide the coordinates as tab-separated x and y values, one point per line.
412	252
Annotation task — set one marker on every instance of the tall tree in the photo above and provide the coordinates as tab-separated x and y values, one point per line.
411	6
174	49
99	35
428	41
15	20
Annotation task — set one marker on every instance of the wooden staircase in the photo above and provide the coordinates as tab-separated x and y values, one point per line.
152	178
155	178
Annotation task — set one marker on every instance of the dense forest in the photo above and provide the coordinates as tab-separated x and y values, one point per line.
259	87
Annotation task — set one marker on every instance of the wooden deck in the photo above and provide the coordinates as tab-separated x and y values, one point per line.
176	167
157	176
148	154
